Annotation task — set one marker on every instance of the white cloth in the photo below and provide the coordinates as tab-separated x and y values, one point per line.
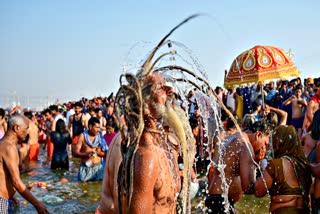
59	116
69	113
231	102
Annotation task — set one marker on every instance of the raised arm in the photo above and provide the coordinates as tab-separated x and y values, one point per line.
283	114
289	100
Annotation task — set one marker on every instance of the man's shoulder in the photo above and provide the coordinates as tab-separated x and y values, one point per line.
7	147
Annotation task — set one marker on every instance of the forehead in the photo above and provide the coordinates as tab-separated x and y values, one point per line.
154	79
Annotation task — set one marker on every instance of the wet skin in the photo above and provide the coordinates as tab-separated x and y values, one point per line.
9	170
156	181
84	151
239	160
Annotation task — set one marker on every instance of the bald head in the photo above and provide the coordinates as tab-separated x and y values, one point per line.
18	120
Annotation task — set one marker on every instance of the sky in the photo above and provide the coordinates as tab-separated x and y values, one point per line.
77	48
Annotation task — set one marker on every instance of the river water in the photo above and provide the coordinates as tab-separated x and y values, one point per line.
59	197
79	197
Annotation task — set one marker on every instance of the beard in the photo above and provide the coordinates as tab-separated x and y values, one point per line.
171	119
175	118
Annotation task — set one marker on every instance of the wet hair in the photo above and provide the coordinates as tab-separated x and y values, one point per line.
262	126
61	126
2	112
28	114
16	119
93	120
230	123
272	119
247	121
315	130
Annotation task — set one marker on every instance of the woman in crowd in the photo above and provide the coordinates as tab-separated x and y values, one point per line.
287	176
60	138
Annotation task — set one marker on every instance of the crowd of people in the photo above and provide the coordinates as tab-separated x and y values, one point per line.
280	126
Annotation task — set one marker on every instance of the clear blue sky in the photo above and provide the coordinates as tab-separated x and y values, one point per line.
69	49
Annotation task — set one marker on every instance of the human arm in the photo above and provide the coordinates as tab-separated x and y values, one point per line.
283	114
308	115
289	100
53	126
11	161
247	168
104	123
69	139
85	121
5	126
76	150
100	153
69	128
315	169
303	102
263	184
145	175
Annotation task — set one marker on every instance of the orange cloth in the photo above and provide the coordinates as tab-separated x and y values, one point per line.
49	148
34	151
75	140
98	211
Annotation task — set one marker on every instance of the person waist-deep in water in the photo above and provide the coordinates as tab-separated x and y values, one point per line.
91	148
60	138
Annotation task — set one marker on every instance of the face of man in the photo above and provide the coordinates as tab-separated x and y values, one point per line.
260	145
94	129
298	93
161	103
22	131
92	113
99	114
77	110
48	116
53	112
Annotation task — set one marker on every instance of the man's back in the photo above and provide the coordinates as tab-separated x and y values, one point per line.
239	167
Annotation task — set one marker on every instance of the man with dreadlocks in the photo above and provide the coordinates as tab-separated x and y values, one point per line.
156	181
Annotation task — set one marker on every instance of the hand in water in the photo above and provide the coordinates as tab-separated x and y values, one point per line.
42	209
